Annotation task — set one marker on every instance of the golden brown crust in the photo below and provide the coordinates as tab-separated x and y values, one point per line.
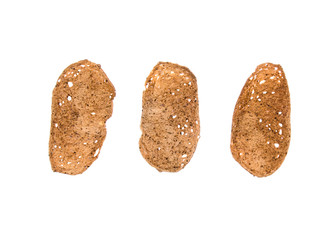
170	117
261	127
82	102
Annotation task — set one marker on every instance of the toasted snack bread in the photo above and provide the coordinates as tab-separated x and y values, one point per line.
170	117
82	101
261	127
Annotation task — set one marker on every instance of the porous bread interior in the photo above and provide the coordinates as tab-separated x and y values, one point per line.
170	117
82	101
261	127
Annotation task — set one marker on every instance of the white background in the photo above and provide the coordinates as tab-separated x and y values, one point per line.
120	196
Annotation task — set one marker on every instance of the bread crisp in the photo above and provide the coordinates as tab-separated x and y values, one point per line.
261	128
82	101
170	117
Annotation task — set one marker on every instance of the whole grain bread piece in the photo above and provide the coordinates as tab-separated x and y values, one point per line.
170	117
261	127
82	101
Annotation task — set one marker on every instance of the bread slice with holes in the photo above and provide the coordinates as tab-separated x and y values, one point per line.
170	122
261	127
82	101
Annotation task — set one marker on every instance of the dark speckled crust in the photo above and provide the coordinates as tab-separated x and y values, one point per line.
170	117
82	102
261	128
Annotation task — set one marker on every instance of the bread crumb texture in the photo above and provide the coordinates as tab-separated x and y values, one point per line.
82	101
261	127
170	122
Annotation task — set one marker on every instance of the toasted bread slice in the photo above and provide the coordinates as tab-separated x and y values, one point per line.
170	117
82	101
261	128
